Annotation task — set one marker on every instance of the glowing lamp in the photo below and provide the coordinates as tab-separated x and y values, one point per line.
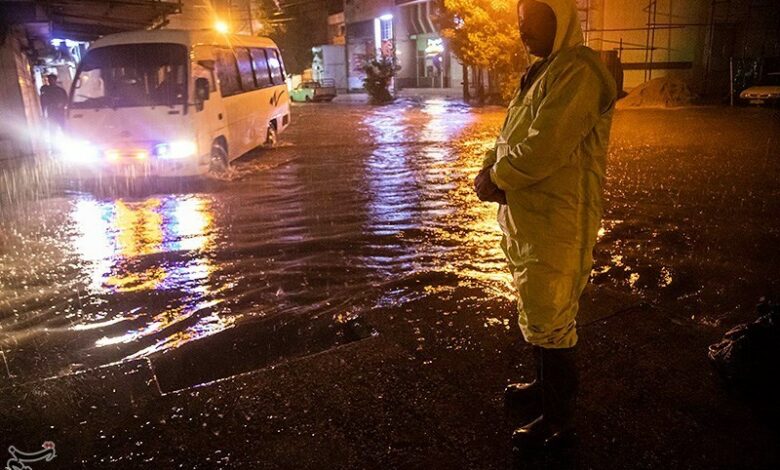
112	155
78	151
175	150
221	27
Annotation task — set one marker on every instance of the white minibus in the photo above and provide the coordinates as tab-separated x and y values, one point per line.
174	102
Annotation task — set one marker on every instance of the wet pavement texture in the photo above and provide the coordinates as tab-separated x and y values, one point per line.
353	281
330	224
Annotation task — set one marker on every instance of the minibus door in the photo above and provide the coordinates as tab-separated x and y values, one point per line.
209	107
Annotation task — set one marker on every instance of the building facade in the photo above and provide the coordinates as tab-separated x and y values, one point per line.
698	39
20	112
428	61
403	29
44	37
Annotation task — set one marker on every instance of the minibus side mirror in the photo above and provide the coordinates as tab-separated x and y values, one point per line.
202	90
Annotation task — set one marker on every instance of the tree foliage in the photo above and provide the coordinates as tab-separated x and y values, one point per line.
296	27
483	33
263	16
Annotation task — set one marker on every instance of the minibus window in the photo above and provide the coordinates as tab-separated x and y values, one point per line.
130	75
227	71
276	67
245	69
281	62
260	63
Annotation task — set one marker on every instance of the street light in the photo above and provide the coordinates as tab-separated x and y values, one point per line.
221	27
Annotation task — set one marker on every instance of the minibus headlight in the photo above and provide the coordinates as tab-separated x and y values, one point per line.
175	150
78	151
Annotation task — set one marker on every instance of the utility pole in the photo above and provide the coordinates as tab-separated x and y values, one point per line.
251	19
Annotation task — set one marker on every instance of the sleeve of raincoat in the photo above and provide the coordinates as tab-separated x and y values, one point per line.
489	159
566	114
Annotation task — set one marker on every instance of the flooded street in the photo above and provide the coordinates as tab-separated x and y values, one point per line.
353	269
356	208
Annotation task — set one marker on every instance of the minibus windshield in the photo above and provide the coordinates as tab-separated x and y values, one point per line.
128	75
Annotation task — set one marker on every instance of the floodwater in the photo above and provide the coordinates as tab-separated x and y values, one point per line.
357	208
360	208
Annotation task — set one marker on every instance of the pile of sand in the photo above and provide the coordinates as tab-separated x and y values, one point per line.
666	92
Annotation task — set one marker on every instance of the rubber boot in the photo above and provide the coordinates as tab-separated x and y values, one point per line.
517	395
560	384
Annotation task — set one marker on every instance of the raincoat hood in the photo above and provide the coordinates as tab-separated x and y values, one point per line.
568	32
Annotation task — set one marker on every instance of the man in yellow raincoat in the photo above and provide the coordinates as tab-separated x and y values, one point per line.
546	172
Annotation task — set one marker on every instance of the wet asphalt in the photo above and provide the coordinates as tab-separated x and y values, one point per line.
354	271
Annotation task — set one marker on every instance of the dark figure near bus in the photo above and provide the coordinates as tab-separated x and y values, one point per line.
54	99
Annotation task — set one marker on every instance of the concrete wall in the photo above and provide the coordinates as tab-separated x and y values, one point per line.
330	63
361	10
20	109
336	29
672	45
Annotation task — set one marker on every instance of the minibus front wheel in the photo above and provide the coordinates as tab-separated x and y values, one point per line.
219	163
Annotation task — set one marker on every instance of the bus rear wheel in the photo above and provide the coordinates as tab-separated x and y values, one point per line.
272	136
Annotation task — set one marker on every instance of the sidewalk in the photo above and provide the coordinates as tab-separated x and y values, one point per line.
448	93
423	393
408	93
353	98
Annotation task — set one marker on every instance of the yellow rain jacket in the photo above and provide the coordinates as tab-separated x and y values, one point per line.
550	158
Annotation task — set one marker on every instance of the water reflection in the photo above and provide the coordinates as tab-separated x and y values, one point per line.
387	220
94	244
424	193
390	176
616	259
154	249
447	120
456	166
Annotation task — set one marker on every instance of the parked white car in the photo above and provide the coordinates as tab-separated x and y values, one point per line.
767	91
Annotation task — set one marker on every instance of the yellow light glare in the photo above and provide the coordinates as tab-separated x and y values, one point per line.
142	155
112	155
221	27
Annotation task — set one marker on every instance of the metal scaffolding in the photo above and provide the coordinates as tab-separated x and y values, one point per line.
648	46
739	29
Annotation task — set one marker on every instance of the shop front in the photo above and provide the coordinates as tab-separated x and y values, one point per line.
425	59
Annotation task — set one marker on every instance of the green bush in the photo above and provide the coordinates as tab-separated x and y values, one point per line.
379	72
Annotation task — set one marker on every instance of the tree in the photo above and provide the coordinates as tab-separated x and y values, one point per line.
483	33
295	26
379	72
